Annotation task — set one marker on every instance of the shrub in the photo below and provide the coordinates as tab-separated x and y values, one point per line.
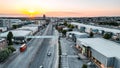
107	36
12	48
84	66
4	54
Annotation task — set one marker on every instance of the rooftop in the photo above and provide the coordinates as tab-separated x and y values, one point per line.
103	46
97	27
28	27
16	33
78	33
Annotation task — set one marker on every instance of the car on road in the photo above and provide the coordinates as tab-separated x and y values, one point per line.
65	54
41	66
49	54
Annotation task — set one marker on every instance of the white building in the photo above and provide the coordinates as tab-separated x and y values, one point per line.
32	29
9	22
102	52
19	35
77	34
97	29
2	29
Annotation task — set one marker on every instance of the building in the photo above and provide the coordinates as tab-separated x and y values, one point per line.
77	34
3	29
9	22
102	52
32	29
19	36
5	23
96	29
74	35
3	43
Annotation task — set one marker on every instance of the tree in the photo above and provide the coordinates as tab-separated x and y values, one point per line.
15	26
107	36
64	32
70	26
91	34
84	66
65	23
9	38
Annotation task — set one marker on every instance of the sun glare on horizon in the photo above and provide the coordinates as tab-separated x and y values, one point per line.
31	12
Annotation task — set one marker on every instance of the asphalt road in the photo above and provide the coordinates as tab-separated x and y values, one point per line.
23	59
41	58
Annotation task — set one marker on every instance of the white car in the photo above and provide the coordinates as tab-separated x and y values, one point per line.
41	66
49	54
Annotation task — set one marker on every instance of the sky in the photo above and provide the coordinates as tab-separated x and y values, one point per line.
60	8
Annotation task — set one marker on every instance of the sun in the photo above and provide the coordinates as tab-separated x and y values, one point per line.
32	12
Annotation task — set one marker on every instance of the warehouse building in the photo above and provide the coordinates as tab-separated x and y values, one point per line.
19	35
32	29
77	34
102	52
3	29
96	29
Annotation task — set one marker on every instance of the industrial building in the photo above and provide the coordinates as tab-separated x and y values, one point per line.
76	34
102	52
3	29
32	29
19	36
96	29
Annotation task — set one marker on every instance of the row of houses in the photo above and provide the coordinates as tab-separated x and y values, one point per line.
96	29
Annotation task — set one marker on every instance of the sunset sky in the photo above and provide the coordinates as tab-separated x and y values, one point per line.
73	8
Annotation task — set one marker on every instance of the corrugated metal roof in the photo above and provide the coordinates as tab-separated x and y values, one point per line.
97	27
103	46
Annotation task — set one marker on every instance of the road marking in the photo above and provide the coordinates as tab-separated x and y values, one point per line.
41	36
69	56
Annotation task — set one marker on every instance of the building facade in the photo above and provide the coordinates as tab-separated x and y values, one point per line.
103	53
3	43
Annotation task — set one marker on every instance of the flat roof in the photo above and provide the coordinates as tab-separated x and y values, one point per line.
28	27
33	25
106	47
78	33
16	33
97	27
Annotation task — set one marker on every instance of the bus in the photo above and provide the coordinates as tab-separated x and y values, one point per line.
23	47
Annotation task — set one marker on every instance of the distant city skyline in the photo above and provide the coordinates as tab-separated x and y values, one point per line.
60	8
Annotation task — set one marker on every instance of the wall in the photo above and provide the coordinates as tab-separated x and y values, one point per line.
99	57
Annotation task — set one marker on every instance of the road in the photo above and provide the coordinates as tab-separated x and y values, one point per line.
69	55
41	58
24	59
